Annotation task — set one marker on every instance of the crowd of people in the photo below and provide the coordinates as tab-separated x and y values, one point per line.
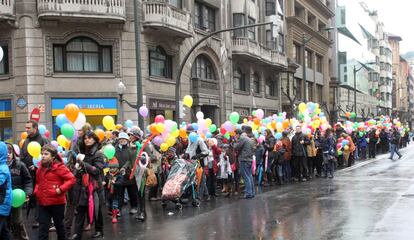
73	192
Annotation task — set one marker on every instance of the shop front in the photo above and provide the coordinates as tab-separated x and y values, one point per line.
6	126
161	107
93	108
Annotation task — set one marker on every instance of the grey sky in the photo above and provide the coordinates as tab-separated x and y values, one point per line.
397	18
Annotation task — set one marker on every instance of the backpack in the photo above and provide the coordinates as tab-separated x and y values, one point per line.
151	180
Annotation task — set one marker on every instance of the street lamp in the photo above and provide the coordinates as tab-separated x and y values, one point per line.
288	78
120	89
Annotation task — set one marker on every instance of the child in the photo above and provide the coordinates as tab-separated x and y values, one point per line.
5	192
225	170
113	183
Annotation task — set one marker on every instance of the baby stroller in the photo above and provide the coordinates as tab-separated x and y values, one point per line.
180	184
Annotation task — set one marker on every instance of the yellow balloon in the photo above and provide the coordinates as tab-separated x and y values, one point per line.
188	101
171	141
175	133
34	149
164	147
160	127
245	121
108	122
208	122
62	140
302	107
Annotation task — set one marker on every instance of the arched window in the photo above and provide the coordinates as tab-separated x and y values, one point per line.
82	54
256	83
203	68
239	80
272	88
160	63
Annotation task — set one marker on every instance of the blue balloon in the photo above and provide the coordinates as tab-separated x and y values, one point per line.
36	161
209	135
60	149
279	119
195	126
129	123
65	160
278	135
61	119
193	137
42	129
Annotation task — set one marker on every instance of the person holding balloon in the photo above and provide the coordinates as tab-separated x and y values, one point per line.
53	180
5	193
21	180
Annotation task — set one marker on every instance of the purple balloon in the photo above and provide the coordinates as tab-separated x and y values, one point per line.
143	111
228	126
55	144
158	140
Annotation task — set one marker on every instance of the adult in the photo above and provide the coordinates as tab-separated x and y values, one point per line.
394	144
53	180
384	142
245	149
33	135
372	145
21	179
287	144
270	155
299	143
328	151
89	177
5	193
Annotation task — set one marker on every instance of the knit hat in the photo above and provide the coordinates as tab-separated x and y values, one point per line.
123	135
113	163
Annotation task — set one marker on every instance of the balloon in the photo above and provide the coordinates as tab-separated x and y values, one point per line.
209	135
18	197
108	123
21	143
47	134
339	145
227	135
36	160
42	129
160	127
199	115
61	119
353	115
129	123
23	136
193	137
212	128
159	119
60	149
228	126
109	151
34	149
259	114
195	126
158	140
278	135
143	111
361	134
67	130
188	101
71	112
54	144
164	147
234	117
183	133
80	121
171	141
61	140
101	134
302	107
208	122
346	148
118	126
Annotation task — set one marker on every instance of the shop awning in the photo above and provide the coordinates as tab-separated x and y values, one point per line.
88	106
5	109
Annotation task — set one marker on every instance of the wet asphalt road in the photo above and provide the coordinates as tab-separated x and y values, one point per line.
371	200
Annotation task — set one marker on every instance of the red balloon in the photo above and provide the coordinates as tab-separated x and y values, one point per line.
47	134
249	118
159	119
222	130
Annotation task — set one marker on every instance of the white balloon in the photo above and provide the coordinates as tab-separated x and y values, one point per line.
1	53
200	115
80	121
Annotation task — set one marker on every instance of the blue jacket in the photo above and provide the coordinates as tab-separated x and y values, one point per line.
5	182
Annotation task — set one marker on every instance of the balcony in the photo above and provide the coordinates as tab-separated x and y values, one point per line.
165	18
6	10
100	10
251	49
205	87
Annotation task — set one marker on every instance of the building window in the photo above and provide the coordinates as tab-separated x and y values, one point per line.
203	68
310	91
299	11
297	53
270	7
256	83
160	64
270	41
251	31
308	59
204	17
4	63
319	67
319	93
82	55
311	20
177	3
281	45
239	79
238	21
297	90
271	88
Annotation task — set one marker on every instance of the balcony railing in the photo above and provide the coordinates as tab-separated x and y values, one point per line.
6	9
159	14
245	46
204	86
99	9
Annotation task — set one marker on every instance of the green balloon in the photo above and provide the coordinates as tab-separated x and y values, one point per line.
109	151
227	135
234	117
18	198
361	134
212	128
254	113
67	130
353	115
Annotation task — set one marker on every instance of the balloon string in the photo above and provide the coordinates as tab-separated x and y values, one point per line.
139	155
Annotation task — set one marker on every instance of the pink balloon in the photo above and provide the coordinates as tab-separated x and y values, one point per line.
55	144
259	114
143	111
228	126
158	140
159	119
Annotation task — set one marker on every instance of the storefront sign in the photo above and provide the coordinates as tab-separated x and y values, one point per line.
35	114
88	106
161	104
242	111
5	109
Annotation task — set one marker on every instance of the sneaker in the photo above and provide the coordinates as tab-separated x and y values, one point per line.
133	211
303	180
52	229
35	225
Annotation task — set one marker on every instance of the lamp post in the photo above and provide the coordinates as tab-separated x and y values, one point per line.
120	88
137	28
288	84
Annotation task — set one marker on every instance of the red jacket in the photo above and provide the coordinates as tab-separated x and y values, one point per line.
48	179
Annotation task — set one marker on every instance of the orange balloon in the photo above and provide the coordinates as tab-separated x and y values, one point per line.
153	129
71	112
256	121
108	134
68	143
183	133
23	136
285	124
273	124
118	126
101	134
232	134
21	143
